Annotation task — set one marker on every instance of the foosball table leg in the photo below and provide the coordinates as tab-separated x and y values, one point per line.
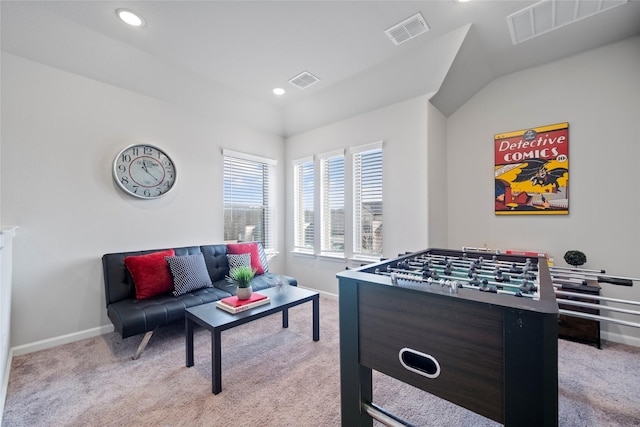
355	380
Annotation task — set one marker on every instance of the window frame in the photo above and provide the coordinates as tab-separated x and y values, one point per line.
304	204
268	192
358	202
328	221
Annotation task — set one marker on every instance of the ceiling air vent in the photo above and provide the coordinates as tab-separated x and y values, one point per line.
304	80
547	15
407	29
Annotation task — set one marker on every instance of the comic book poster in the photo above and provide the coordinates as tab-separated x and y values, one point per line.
532	171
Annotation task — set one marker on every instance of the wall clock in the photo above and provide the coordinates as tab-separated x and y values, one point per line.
144	171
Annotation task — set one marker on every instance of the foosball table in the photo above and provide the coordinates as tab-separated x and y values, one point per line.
476	329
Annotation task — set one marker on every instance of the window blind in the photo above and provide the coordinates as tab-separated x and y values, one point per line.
332	203
367	202
248	199
304	226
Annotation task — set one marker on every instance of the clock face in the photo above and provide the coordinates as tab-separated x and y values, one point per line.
144	171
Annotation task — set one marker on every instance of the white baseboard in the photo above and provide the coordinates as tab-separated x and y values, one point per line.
621	339
63	339
89	333
323	293
5	384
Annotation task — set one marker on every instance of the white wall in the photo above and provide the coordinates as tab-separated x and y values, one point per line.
598	93
436	196
403	128
6	268
60	133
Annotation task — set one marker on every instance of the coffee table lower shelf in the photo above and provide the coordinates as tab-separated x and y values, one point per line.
216	320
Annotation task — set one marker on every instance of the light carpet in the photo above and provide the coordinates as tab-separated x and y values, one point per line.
272	377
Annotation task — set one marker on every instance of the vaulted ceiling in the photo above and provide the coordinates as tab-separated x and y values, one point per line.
250	47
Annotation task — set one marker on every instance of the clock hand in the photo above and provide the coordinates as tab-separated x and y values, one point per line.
144	167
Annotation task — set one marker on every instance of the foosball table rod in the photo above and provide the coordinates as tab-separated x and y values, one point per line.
597	297
599	318
379	414
488	262
453	281
598	307
599	275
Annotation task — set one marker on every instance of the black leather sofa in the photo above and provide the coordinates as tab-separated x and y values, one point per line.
131	316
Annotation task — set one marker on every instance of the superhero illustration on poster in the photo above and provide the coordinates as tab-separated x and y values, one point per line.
532	171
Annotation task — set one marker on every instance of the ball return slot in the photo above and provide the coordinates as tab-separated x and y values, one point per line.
420	363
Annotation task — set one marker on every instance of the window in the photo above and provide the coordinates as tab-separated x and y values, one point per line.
367	200
248	198
356	174
332	202
303	204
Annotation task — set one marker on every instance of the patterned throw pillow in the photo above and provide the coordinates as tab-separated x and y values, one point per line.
238	260
263	258
251	248
189	273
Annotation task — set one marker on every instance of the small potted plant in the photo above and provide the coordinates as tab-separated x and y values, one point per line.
241	277
575	258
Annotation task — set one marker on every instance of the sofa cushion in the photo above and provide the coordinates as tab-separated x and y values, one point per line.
136	316
270	280
150	273
215	256
189	273
250	248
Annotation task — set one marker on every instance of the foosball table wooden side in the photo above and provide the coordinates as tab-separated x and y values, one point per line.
500	362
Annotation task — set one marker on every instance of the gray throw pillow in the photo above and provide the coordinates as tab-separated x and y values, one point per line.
238	260
189	273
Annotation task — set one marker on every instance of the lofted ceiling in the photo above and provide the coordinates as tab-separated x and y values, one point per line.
250	47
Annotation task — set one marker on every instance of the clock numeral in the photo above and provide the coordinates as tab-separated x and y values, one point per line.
122	168
126	158
148	150
134	151
124	180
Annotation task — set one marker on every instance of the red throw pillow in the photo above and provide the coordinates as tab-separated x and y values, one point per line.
151	274
247	248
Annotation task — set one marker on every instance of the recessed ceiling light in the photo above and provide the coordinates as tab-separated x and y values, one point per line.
279	91
130	17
